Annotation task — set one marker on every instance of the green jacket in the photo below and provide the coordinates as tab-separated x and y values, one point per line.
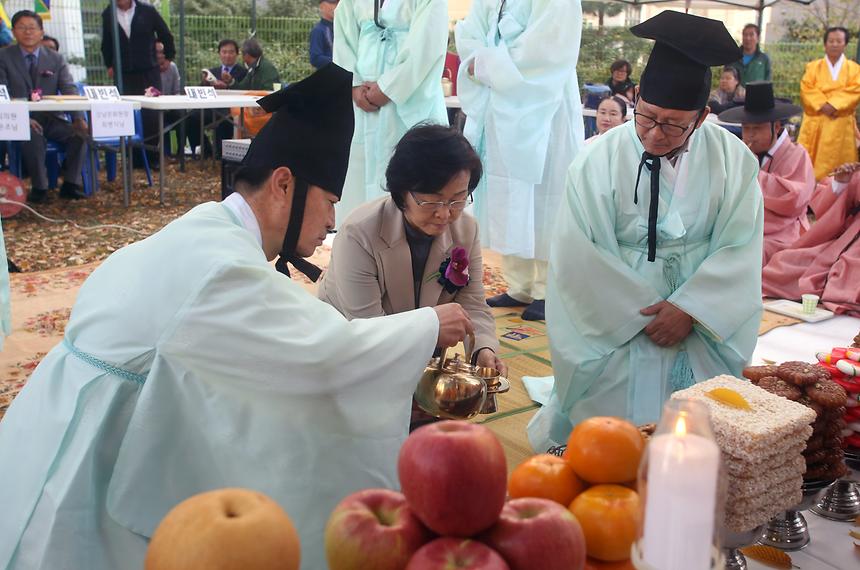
758	69
261	77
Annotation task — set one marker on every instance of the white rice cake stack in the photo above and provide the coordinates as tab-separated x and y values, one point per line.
761	449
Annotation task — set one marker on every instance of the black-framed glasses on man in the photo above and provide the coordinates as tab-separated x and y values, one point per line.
453	205
669	129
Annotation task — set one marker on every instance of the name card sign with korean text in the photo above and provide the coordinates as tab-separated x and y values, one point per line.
102	93
14	118
113	119
200	93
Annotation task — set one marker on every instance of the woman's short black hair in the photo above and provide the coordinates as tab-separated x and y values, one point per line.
427	158
733	70
621	64
845	31
622	106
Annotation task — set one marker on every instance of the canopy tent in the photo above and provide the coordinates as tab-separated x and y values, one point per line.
757	5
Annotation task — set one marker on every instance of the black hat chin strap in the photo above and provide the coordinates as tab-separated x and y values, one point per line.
653	164
291	239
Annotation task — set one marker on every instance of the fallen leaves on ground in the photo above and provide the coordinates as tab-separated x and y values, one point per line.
36	245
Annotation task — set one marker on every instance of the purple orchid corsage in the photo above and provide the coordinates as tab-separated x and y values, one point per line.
36	94
453	273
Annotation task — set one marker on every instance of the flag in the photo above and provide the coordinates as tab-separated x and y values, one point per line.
5	17
43	8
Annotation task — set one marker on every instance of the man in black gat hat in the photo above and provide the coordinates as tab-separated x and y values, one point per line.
654	277
189	359
787	177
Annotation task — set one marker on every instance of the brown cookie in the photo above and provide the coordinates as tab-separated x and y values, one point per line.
815	443
819	456
801	373
806	401
827	393
755	373
856	343
829	429
780	387
834	414
826	471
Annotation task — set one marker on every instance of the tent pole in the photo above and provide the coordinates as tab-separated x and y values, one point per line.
117	56
760	17
181	44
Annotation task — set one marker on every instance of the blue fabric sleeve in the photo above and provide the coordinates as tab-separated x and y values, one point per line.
320	49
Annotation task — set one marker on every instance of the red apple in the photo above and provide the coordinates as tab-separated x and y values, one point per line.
456	553
374	528
538	533
454	476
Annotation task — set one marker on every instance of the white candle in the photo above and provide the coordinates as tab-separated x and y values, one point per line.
681	495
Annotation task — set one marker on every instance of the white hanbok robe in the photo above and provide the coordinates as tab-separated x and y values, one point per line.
406	60
228	374
709	249
524	115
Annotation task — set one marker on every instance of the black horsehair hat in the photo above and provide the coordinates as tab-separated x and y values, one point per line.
678	74
760	106
310	133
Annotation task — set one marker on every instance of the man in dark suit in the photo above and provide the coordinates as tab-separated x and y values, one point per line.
28	70
140	26
230	69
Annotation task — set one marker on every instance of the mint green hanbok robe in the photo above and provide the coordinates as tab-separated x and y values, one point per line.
709	247
524	115
5	308
406	60
226	374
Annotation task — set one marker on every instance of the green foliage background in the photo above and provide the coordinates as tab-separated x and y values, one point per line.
284	26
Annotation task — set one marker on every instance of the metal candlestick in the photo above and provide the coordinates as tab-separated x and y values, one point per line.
841	502
789	531
732	542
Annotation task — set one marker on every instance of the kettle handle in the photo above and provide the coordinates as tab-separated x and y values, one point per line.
469	347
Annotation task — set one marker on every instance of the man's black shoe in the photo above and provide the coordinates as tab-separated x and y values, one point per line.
37	196
71	191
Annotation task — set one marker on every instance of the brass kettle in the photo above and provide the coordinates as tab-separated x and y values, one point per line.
454	389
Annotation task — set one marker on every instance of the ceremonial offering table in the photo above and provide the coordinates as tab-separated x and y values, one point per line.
830	546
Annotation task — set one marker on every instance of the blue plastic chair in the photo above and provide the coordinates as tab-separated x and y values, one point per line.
55	153
111	146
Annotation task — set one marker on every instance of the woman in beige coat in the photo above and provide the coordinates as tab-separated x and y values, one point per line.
387	255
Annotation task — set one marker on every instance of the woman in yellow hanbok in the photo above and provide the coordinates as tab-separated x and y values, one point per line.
830	91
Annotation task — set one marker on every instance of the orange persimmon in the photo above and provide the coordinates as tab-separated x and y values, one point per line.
605	450
609	516
547	477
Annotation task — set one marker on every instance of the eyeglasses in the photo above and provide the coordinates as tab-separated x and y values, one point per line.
669	129
453	205
27	29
